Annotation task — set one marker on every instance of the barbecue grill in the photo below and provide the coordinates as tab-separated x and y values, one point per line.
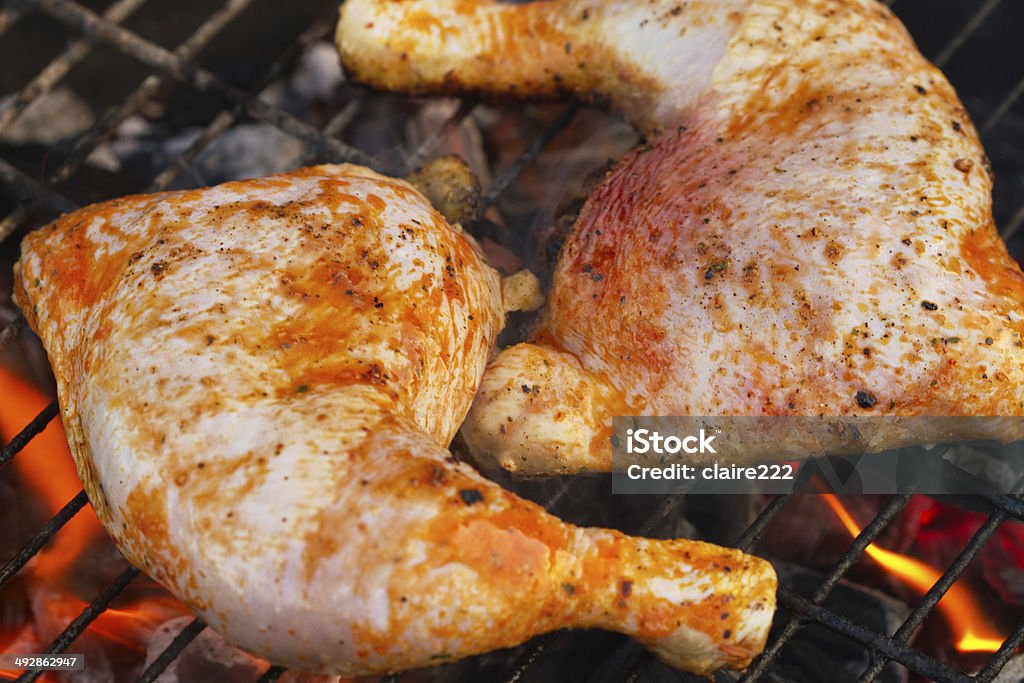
972	41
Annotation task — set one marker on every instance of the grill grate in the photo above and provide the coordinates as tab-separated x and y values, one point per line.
628	662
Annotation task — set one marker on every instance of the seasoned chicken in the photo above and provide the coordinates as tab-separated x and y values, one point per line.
259	381
807	232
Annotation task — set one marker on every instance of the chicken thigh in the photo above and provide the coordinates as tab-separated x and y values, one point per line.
259	381
807	232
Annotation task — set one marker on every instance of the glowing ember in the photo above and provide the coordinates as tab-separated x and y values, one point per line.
47	470
971	630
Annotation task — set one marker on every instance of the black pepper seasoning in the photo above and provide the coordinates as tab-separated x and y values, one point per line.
866	399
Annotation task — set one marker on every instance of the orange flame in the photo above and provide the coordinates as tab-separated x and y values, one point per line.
23	639
47	469
971	630
129	626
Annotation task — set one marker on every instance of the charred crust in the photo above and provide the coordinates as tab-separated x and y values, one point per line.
471	496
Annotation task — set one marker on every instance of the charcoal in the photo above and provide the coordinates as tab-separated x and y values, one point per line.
142	150
318	75
820	654
55	117
247	151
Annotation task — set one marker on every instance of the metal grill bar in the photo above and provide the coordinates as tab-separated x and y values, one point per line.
421	153
757	527
58	68
966	32
36	426
629	651
32	191
1011	505
63	516
935	593
11	222
202	80
1001	657
171	652
249	104
226	119
222	122
188	50
943	58
912	659
640	658
753	533
508	176
1015	223
340	121
528	657
867	535
82	621
1004	107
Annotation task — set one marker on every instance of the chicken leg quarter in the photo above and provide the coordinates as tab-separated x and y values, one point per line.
259	380
808	231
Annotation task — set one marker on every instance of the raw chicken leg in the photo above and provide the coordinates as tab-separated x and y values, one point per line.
259	380
808	231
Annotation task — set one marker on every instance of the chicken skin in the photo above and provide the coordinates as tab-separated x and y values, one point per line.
807	232
259	381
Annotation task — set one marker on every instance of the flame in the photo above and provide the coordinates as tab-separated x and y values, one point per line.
47	469
22	640
6	640
971	630
132	626
129	627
